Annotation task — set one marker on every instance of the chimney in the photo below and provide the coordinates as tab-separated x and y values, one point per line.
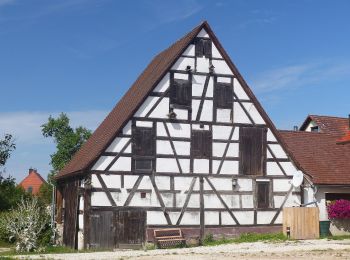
295	128
30	170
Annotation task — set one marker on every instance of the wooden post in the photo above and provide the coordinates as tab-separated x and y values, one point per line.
201	232
59	204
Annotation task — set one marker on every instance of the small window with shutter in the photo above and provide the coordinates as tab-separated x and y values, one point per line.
180	93
143	148
201	144
263	194
252	150
203	47
223	95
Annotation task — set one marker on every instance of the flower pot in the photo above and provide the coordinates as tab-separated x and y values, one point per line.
340	227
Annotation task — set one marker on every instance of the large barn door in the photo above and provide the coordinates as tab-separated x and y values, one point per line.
131	228
102	231
70	214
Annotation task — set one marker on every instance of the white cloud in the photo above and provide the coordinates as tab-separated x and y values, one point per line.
6	2
293	76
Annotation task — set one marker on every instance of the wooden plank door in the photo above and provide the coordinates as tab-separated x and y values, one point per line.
131	228
70	214
102	229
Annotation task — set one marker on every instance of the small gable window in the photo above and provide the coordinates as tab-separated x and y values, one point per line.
203	47
30	189
143	149
223	95
252	150
314	129
263	194
180	93
201	144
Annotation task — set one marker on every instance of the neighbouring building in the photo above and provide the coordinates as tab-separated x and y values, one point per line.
32	182
322	147
187	146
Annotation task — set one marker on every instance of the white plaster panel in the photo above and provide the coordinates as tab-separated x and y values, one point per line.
183	183
190	218
156	218
210	89
127	129
253	112
198	85
81	203
122	164
311	124
212	201
235	135
167	199
181	76
163	147
233	150
272	168
129	181
265	217
247	201
163	182
226	219
167	165
229	167
270	136
200	128
164	84
181	114
244	184
289	168
144	123
203	64
279	218
179	130
182	148
216	164
281	185
221	67
102	163
195	108
111	181
120	197
194	201
224	79
81	221
268	154
278	200
244	217
182	63
278	151
215	52
161	129
174	216
117	145
95	182
207	111
218	149
185	165
219	184
162	109
239	91
221	132
180	199
232	201
223	115
201	166
190	50
203	34
137	201
99	199
211	218
146	106
239	116
145	183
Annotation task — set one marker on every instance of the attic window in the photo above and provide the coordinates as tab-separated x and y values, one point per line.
201	144
203	47
263	194
314	129
180	93
223	95
143	148
30	189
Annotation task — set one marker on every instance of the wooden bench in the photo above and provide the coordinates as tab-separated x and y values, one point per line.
168	237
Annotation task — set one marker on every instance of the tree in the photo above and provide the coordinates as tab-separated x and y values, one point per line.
7	145
10	193
68	140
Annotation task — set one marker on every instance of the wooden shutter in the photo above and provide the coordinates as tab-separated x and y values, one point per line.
143	141
263	194
207	48
252	150
180	92
224	95
199	47
201	144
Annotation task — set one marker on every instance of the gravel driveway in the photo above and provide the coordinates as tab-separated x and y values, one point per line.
307	249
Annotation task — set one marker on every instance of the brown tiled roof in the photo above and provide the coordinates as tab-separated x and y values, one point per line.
138	92
328	124
319	154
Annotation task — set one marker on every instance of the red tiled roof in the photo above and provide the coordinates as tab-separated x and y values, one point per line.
33	180
318	152
138	92
345	139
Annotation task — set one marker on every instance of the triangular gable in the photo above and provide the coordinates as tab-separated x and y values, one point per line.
156	71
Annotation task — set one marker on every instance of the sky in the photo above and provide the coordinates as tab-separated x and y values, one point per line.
80	57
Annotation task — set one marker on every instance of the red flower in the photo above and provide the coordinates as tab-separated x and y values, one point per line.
339	209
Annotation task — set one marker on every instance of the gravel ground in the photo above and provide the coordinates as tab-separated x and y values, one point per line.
307	249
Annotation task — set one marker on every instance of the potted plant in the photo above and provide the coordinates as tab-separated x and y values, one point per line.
339	215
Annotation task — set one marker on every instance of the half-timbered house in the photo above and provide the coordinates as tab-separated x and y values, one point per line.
187	146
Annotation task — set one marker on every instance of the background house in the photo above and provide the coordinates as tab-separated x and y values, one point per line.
322	148
32	182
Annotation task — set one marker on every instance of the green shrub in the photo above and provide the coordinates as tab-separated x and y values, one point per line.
209	238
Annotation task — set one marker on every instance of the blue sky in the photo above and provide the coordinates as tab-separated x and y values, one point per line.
80	56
